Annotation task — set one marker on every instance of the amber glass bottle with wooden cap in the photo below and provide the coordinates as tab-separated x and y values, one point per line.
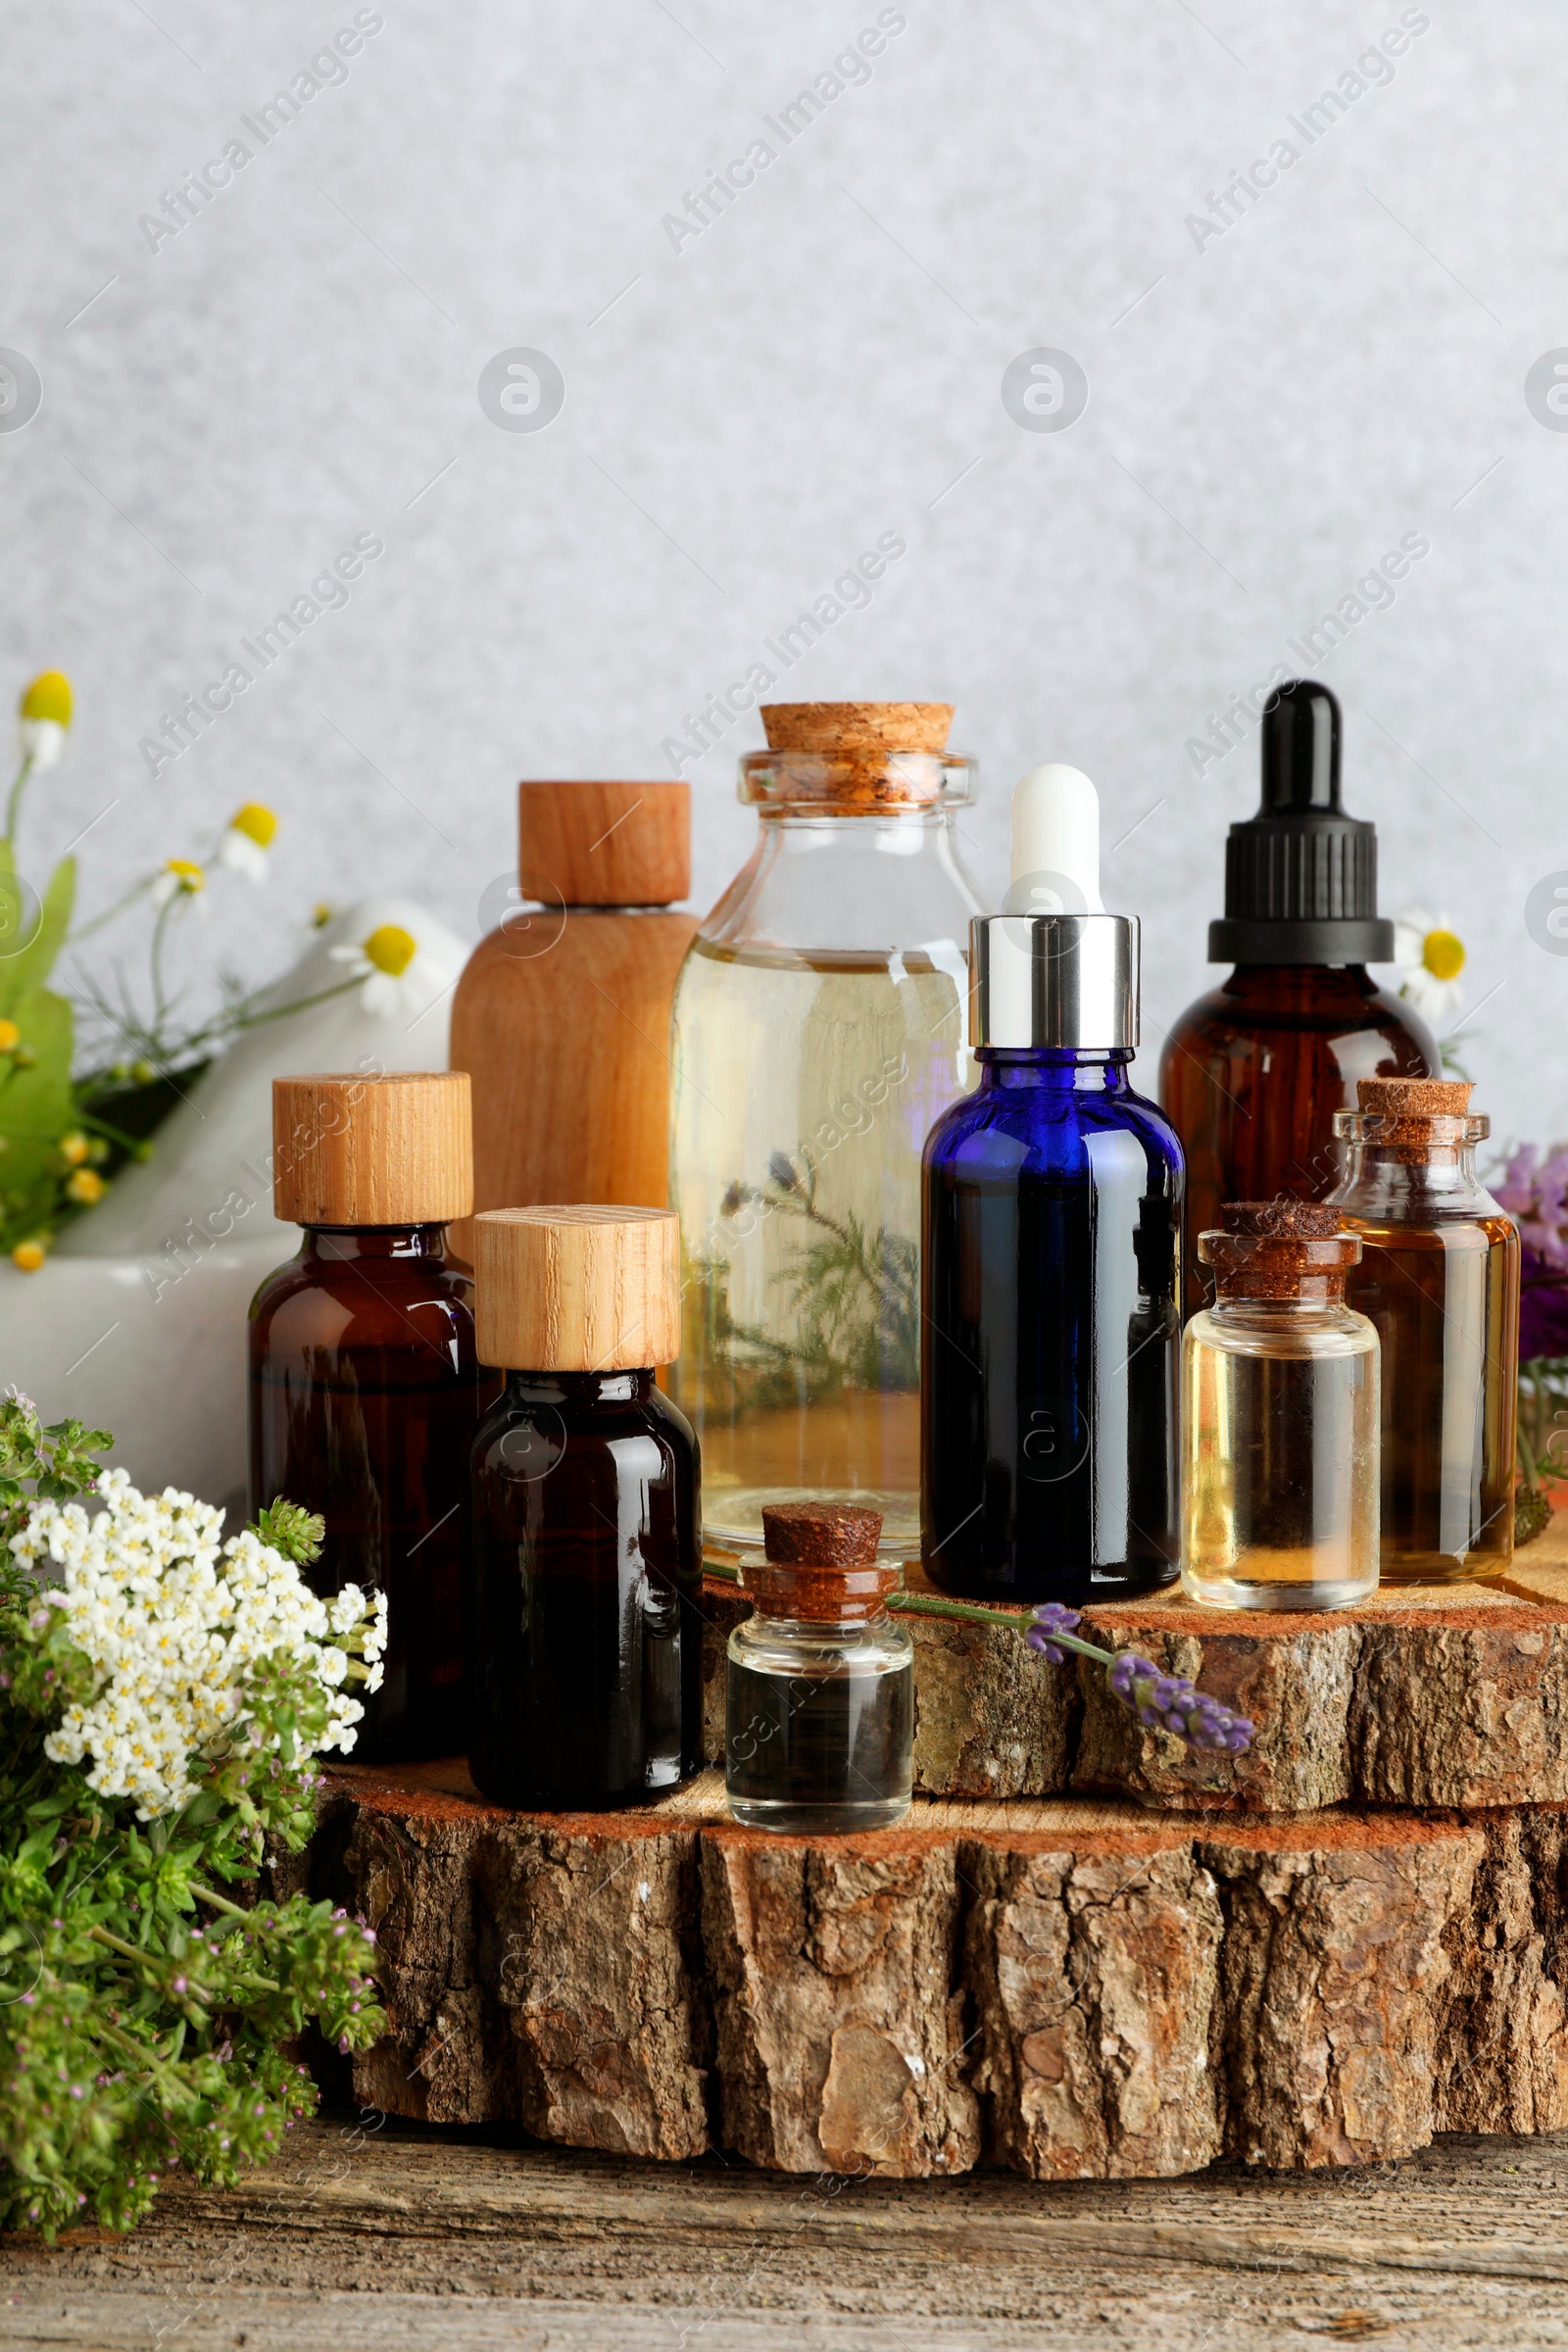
1438	1278
561	1017
1279	1417
819	1027
587	1555
363	1379
819	1698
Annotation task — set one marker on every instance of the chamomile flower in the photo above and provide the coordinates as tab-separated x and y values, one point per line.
1429	957
248	841
178	878
388	961
44	716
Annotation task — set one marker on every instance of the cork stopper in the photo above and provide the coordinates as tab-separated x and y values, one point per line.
350	1150
820	1535
1413	1121
1414	1097
819	1563
856	726
1280	1249
576	1289
856	758
605	845
1289	1219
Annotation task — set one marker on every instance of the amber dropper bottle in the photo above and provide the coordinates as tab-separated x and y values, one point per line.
1252	1073
364	1381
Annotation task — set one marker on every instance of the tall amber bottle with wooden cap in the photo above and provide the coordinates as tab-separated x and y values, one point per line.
585	1636
820	1028
561	1018
363	1379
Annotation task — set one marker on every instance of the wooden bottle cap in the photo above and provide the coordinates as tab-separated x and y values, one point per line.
395	1149
1280	1249
856	726
1414	1097
576	1289
605	845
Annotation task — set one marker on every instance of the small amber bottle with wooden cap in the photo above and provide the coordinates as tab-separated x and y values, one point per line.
562	1017
1280	1436
1438	1278
363	1380
587	1553
820	1702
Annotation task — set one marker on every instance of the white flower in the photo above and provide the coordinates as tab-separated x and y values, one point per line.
178	878
247	843
43	718
176	1624
1429	957
392	969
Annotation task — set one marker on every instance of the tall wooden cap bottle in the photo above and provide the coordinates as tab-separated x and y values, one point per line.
562	1015
350	1150
577	1290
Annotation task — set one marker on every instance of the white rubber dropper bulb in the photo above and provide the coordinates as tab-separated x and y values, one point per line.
1056	844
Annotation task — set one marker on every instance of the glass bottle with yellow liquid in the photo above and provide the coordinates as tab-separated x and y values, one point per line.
818	1030
1280	1423
1438	1277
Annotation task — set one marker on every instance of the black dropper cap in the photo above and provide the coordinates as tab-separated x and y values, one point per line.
1300	876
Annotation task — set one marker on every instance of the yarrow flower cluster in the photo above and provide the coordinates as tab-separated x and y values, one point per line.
172	1647
1161	1701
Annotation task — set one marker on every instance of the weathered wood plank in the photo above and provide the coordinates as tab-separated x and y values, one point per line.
398	2239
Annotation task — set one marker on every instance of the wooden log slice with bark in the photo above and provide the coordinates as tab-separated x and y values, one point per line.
1074	1987
1430	1695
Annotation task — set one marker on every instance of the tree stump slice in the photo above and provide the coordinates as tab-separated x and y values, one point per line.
1447	1696
1074	1987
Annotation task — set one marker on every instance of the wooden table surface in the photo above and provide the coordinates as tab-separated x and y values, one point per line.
401	2239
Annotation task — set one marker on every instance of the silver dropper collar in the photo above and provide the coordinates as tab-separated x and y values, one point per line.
1062	981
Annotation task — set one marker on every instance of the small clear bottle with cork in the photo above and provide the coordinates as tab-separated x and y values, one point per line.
364	1385
820	1702
1280	1421
585	1635
1438	1278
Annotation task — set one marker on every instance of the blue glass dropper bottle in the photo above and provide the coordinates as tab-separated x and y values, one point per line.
1052	1234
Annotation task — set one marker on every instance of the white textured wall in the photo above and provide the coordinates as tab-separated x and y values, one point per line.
1342	366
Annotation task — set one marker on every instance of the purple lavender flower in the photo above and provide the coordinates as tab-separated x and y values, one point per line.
1161	1701
1051	1618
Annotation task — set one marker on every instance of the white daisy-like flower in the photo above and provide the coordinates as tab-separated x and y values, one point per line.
178	878
391	968
43	718
248	840
1429	957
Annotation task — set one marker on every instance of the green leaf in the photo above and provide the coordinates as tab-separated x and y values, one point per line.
30	965
37	1104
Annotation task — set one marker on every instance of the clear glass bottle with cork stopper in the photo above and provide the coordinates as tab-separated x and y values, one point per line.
820	1700
818	1029
364	1381
1438	1278
1280	1421
585	1633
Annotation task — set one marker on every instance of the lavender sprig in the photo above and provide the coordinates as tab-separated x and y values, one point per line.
1161	1702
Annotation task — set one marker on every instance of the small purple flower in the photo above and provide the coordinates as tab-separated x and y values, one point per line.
1051	1617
